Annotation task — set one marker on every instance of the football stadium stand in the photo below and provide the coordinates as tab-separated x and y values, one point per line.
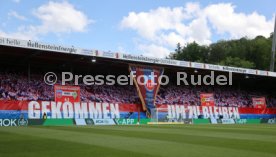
16	86
24	93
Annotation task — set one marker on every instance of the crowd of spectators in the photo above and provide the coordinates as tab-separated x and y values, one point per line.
17	86
190	95
110	94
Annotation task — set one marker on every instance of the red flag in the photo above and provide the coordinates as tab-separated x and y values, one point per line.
207	99
67	93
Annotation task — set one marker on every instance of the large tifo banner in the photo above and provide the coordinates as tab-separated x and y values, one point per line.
207	99
259	102
11	109
67	93
147	84
191	112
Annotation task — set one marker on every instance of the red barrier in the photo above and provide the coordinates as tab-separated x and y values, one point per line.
257	111
13	105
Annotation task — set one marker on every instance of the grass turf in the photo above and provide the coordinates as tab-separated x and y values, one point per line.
142	141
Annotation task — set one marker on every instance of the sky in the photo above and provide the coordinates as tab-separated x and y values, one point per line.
145	27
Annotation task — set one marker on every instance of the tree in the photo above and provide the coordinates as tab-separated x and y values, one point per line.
237	62
243	52
192	52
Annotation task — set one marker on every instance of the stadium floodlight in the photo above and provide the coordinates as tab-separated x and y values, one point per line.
93	60
273	48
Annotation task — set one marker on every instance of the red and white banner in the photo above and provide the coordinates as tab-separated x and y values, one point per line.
35	109
67	93
177	111
147	84
207	99
259	102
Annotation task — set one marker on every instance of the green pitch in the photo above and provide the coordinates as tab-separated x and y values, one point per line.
140	141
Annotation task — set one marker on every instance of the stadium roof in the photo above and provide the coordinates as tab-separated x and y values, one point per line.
34	45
